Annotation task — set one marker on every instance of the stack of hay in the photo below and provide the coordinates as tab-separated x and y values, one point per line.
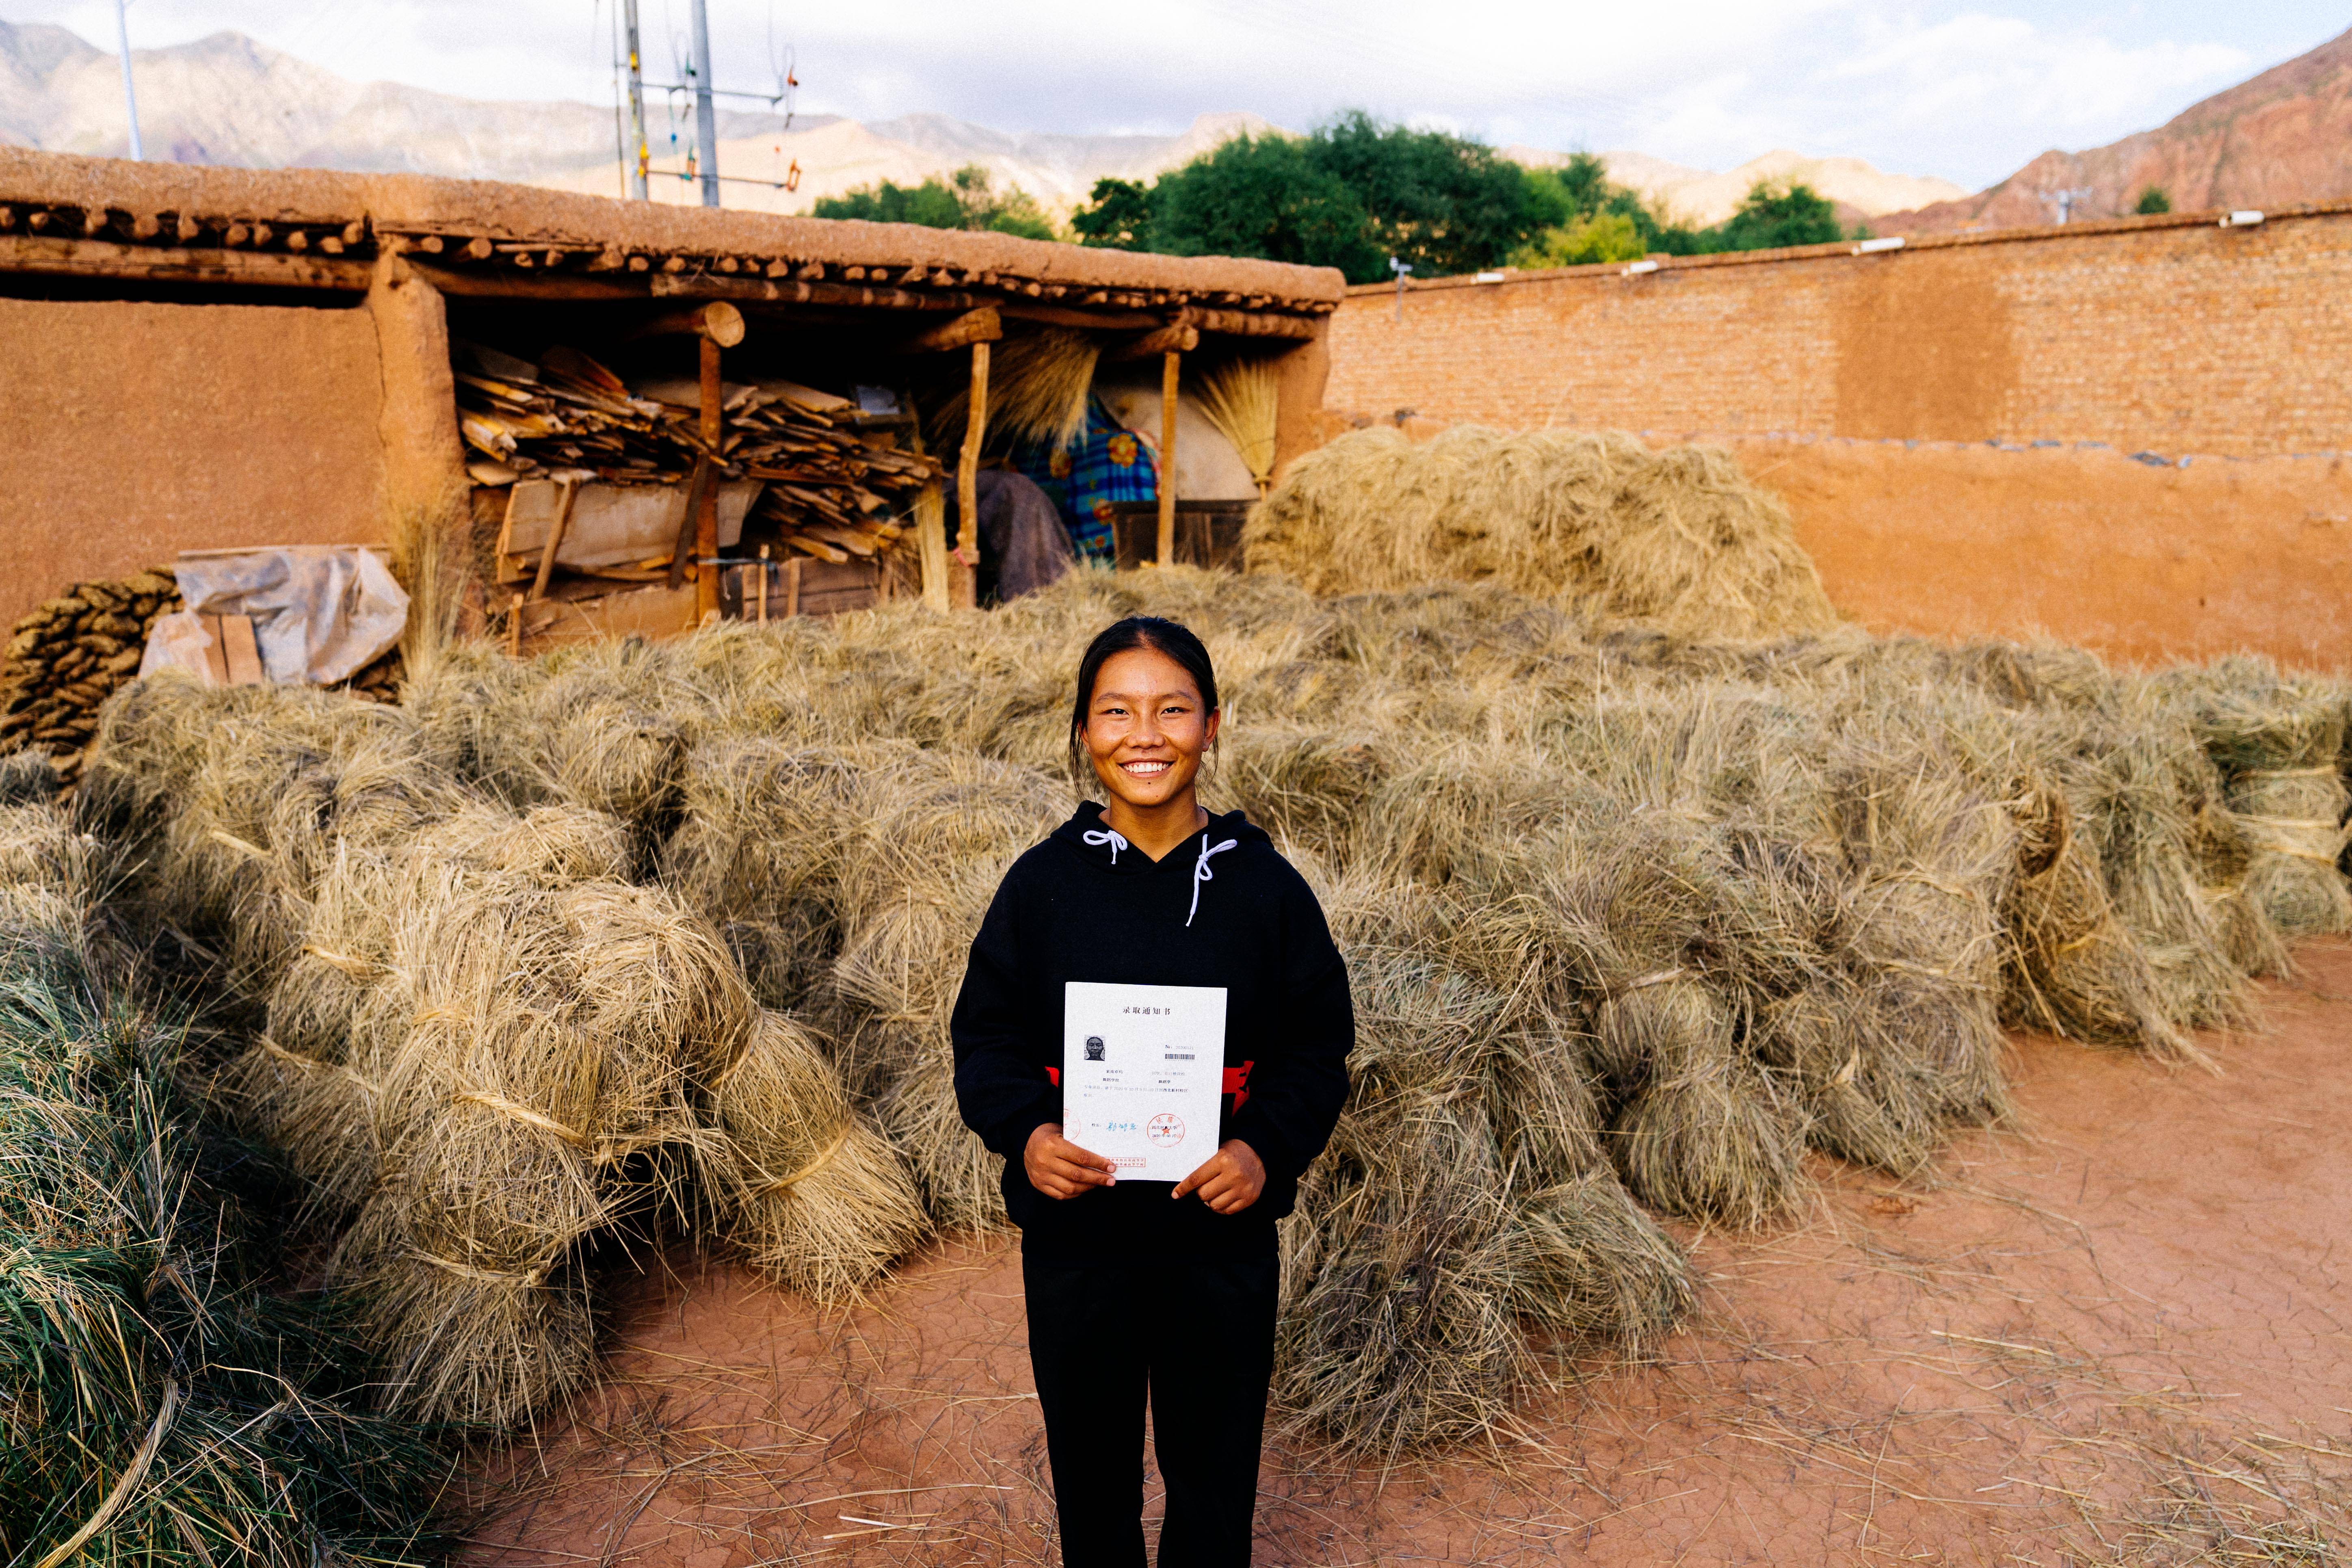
159	1400
480	1046
71	654
1631	915
1721	903
2279	744
1677	537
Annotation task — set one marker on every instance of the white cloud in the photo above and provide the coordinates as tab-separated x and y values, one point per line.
1961	90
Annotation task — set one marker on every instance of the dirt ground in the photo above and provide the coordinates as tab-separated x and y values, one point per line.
2116	1331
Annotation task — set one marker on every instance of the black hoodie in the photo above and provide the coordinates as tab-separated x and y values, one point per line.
1223	909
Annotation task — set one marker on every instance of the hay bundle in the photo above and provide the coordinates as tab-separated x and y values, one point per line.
1038	383
538	1097
1675	537
1238	397
2278	743
758	851
1464	1195
138	1333
812	1195
939	830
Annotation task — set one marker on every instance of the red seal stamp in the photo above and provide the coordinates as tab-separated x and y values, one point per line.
1164	1130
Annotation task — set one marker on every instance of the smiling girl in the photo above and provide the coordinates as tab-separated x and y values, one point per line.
1147	1290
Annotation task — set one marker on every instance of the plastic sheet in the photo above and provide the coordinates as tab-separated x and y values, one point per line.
320	613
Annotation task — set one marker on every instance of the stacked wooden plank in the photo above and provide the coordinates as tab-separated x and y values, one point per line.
71	654
569	412
837	480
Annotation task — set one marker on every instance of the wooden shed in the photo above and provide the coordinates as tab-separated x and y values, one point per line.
199	358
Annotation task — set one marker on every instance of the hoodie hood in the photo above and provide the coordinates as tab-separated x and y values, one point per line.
1100	845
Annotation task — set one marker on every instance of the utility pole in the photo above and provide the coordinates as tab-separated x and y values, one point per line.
2067	199
706	120
641	154
130	98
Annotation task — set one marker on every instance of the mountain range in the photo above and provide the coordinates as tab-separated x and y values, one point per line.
2276	139
225	99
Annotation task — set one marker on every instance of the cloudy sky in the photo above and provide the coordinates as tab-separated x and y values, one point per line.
1967	91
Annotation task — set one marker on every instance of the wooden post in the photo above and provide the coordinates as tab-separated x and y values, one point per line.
514	628
930	544
1167	552
763	585
706	520
793	585
569	496
963	586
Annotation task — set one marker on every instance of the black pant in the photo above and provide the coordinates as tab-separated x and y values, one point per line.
1199	1337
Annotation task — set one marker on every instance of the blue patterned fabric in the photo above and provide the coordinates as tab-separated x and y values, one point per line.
1109	464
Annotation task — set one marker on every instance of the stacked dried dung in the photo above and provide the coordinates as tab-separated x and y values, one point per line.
378	681
71	654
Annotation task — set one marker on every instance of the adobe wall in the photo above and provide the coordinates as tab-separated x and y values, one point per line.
136	430
2168	334
2143	564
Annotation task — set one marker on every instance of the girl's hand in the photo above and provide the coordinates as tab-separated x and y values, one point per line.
1230	1180
1059	1168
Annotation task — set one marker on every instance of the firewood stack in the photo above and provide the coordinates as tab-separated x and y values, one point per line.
834	489
836	479
571	412
70	654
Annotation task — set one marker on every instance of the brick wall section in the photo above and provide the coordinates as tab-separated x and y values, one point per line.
2170	334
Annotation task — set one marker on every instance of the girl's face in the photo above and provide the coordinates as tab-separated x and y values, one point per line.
1146	728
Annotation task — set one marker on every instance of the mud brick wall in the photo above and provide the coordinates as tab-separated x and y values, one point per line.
2171	334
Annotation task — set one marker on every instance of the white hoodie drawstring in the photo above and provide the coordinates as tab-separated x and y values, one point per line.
1200	872
1110	837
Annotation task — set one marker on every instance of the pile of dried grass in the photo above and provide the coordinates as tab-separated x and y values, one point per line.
2279	744
480	1045
161	1401
1634	917
1677	537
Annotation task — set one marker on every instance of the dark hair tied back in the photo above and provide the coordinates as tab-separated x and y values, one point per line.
1162	636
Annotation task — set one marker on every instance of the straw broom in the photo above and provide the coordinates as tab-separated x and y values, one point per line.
1238	397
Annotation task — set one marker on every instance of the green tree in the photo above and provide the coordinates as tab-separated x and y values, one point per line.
1354	192
2152	199
1119	216
1776	216
1589	238
967	199
1446	203
1580	187
1265	196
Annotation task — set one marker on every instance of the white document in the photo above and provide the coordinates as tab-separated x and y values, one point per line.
1143	1069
